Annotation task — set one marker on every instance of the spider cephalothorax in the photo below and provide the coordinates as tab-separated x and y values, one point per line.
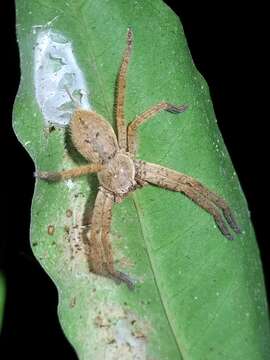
119	172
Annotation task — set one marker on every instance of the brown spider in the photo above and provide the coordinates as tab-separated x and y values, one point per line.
119	173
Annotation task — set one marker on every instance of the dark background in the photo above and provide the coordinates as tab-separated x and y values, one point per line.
228	49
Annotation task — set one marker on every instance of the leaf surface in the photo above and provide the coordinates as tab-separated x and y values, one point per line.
198	295
2	298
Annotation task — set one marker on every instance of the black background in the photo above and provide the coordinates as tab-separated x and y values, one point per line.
228	49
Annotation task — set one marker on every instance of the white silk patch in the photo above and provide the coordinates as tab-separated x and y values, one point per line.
57	74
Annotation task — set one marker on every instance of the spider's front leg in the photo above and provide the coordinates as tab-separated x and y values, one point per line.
127	137
120	94
147	115
205	198
100	249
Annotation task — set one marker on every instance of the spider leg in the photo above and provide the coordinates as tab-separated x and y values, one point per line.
120	96
205	198
214	198
67	174
100	250
145	116
96	253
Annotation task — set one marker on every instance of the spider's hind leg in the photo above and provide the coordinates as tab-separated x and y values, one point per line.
100	250
217	200
205	198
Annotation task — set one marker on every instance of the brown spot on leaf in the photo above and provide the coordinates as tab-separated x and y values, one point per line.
51	230
72	302
101	321
51	129
69	213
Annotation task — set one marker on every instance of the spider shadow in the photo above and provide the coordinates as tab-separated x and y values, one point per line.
90	200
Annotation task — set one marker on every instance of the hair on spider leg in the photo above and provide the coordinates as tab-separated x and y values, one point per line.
223	228
120	277
231	221
177	109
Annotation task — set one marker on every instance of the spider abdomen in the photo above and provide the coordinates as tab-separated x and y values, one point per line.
93	136
118	175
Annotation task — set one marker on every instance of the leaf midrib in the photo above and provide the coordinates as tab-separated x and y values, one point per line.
139	216
152	267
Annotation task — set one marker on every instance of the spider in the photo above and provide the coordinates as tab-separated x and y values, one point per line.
113	158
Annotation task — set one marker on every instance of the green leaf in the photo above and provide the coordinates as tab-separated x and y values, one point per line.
198	295
2	298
